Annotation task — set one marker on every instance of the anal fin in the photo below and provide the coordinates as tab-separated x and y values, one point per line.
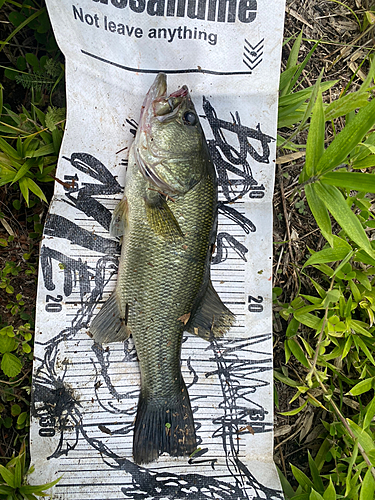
109	325
212	318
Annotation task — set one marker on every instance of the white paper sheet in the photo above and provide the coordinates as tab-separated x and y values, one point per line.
85	397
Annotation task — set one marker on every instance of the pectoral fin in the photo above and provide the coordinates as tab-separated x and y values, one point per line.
212	318
161	219
119	218
109	325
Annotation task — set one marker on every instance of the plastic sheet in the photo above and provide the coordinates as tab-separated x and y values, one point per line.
85	396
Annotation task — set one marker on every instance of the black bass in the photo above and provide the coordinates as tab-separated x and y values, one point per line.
167	220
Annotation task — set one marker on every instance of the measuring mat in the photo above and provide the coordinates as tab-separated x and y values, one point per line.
85	395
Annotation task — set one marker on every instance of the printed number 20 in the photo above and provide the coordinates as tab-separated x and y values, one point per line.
54	306
257	307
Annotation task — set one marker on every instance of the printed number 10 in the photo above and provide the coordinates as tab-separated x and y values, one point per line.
256	306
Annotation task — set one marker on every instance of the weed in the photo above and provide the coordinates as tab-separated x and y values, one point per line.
331	330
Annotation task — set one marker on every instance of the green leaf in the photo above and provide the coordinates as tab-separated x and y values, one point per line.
46	150
1	95
319	211
298	352
35	189
330	493
335	203
291	67
15	410
33	61
11	365
309	320
314	495
360	327
287	488
367	82
318	483
371	456
294	412
53	116
23	170
368	487
361	256
7	149
285	79
320	457
24	189
351	180
361	387
363	437
293	55
22	25
7	476
286	380
365	349
355	291
38	488
347	139
340	250
351	463
315	139
302	479
370	413
7	344
6	490
346	104
18	474
367	162
347	346
292	328
363	279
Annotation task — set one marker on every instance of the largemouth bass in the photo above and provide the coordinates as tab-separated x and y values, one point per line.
167	220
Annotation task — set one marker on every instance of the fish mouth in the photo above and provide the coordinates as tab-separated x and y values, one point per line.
157	90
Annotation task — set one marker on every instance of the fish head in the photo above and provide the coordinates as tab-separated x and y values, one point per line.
170	146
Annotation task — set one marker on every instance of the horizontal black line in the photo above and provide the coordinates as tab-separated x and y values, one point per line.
166	71
161	467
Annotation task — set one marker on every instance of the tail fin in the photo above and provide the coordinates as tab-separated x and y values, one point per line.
164	426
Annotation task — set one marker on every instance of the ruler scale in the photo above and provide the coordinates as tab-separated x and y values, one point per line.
85	395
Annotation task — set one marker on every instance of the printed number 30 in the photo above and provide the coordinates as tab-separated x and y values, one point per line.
54	306
257	307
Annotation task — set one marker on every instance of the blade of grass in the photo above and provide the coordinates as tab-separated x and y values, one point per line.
315	139
22	25
319	212
335	202
351	180
347	139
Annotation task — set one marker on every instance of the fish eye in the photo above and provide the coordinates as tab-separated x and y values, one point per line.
190	118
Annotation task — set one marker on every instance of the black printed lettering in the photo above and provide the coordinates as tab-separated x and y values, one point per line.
257	306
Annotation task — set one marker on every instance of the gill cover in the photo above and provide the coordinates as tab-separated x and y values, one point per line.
170	147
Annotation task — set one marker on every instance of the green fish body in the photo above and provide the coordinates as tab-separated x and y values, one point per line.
167	220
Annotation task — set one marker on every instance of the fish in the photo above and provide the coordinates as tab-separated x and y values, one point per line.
167	220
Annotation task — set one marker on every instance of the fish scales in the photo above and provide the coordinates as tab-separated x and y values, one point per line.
167	221
160	280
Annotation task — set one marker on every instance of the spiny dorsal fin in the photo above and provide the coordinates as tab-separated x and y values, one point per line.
212	318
